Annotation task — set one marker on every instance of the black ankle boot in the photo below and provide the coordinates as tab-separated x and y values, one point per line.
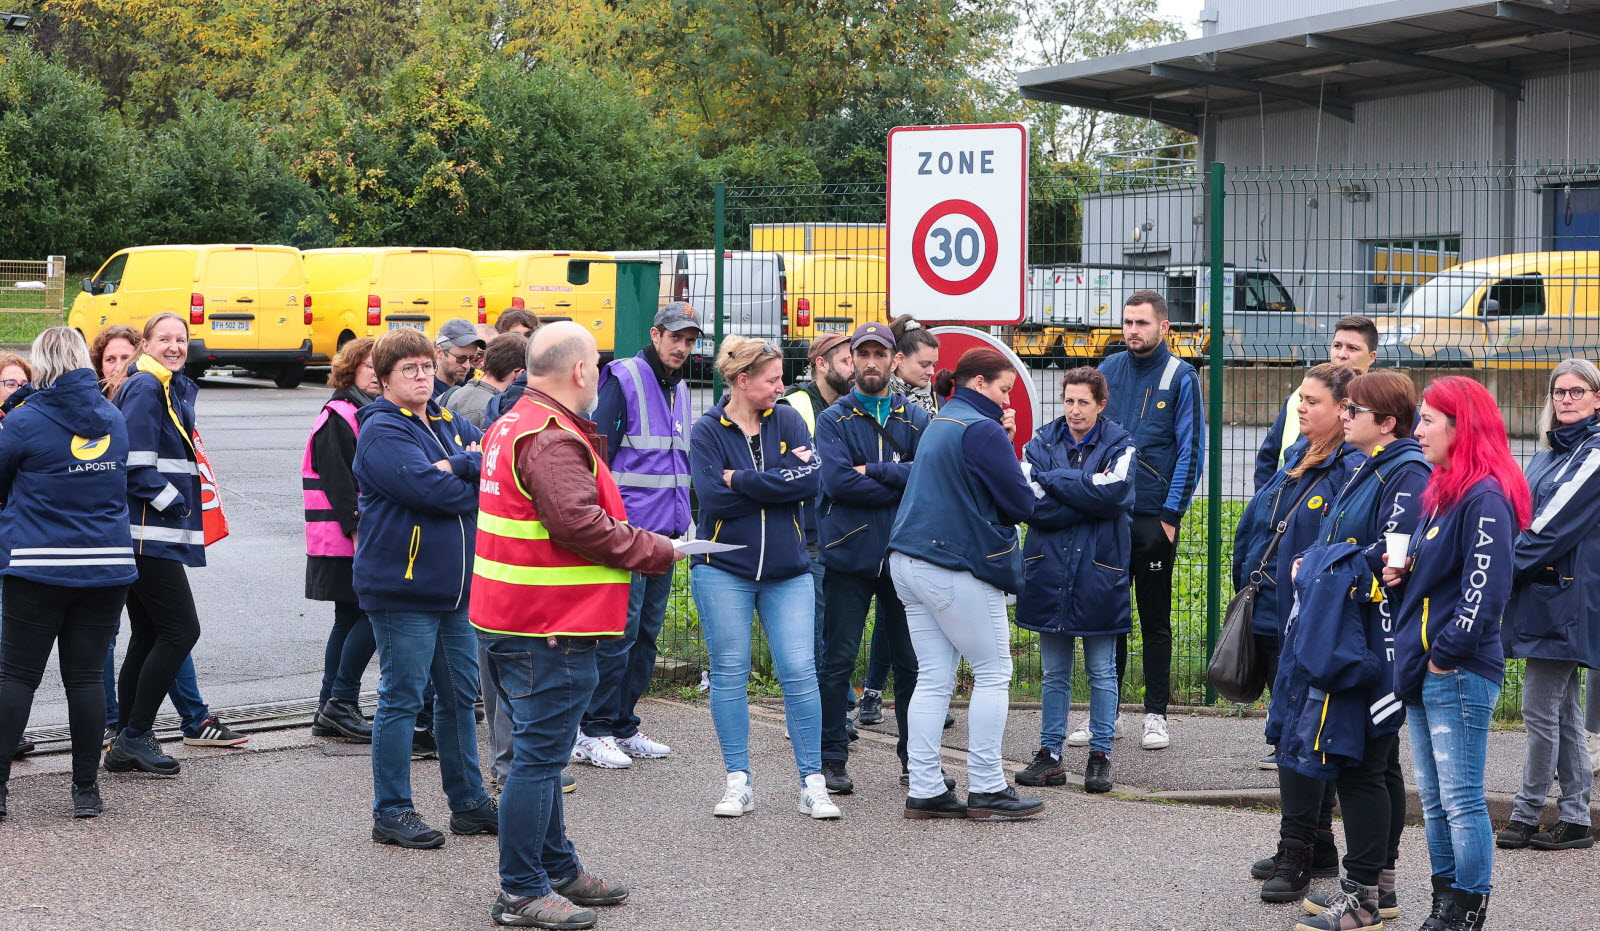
1442	890
1292	875
1467	911
86	801
342	719
142	753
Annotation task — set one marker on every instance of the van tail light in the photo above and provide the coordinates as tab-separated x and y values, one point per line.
197	308
483	310
784	318
680	291
802	311
308	310
518	303
374	308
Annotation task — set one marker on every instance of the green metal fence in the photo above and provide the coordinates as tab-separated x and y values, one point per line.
1490	271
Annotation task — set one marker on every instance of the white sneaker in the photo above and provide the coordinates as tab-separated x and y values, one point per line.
641	747
1155	733
1594	752
814	799
602	752
738	798
1080	737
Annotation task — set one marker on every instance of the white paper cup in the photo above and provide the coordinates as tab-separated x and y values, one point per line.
1395	546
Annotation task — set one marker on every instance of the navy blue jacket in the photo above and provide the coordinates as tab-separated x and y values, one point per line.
164	501
64	481
1326	668
761	510
1269	458
1554	612
966	495
507	399
419	523
1267	510
1452	599
1157	398
856	511
1075	559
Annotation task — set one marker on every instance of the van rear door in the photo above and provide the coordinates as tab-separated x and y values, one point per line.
405	290
280	298
235	317
456	288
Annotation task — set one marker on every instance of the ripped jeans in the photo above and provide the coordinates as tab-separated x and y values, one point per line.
1449	741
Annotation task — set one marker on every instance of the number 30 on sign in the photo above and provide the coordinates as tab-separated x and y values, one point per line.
958	222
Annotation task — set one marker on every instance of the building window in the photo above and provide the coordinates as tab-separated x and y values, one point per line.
1400	265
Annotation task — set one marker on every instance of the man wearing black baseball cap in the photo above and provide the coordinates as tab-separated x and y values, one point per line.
865	442
459	347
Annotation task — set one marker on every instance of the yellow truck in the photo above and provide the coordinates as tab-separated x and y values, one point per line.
1074	314
537	281
853	239
369	291
247	305
832	294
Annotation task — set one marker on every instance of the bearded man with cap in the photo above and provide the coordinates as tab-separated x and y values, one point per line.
643	413
460	348
865	443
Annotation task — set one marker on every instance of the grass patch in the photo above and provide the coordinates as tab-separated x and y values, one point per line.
23	327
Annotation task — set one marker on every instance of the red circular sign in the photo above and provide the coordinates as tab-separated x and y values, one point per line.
954	341
985	231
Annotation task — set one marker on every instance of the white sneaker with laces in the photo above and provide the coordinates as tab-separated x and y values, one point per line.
602	752
1155	733
739	797
641	747
1080	737
814	799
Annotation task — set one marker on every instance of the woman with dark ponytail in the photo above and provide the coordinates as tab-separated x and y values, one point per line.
918	352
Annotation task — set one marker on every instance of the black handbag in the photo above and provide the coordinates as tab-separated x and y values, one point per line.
1236	670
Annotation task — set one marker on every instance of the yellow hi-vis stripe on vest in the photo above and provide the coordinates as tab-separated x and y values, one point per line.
512	528
548	575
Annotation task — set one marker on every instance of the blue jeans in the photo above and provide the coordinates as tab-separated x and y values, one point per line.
625	665
184	694
1100	663
414	646
545	683
349	650
726	603
1449	740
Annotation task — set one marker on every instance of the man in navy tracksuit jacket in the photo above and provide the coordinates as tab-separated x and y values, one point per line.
1156	396
865	443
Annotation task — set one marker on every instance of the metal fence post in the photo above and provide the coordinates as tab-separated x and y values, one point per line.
1214	422
718	242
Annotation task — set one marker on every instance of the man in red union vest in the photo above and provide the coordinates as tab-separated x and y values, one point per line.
554	561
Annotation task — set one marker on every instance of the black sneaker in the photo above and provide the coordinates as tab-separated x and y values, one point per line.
1003	804
838	781
142	753
111	734
1045	770
1564	836
546	911
406	829
24	747
342	719
485	819
850	729
213	733
870	710
1324	859
1096	775
424	746
940	806
86	801
1515	835
949	781
1291	875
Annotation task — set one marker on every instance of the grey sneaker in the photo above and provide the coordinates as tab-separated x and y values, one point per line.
1353	908
589	889
546	911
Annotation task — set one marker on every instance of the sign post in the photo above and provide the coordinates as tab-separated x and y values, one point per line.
958	223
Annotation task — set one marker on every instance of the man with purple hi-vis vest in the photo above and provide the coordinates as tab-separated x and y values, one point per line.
643	413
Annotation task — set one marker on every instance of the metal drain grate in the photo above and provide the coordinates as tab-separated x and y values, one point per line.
265	716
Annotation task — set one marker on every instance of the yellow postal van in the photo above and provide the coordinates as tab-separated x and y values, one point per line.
537	282
367	292
833	293
246	305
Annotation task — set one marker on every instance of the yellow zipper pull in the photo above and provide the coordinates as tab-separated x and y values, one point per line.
416	546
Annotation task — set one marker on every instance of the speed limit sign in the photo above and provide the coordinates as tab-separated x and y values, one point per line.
958	222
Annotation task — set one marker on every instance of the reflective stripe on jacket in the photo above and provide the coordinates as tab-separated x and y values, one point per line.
651	463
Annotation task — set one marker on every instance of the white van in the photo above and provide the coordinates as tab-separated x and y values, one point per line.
754	295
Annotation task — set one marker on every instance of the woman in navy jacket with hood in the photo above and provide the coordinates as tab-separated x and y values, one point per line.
417	467
1553	619
1335	714
1075	569
1449	662
63	479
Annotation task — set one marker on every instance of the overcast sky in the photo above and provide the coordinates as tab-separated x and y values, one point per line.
1186	12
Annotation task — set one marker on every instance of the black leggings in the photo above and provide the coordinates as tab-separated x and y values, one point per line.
164	628
1372	800
81	621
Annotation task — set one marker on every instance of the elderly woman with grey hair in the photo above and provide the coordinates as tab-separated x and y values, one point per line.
63	461
1553	617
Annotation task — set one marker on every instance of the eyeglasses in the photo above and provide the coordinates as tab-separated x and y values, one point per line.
1352	408
463	360
1576	394
418	369
11	383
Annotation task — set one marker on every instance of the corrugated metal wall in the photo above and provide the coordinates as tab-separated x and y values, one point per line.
1243	14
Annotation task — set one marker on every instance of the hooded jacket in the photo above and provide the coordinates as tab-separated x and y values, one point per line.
64	481
1554	611
1075	558
1452	599
418	522
163	471
857	510
761	509
505	400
